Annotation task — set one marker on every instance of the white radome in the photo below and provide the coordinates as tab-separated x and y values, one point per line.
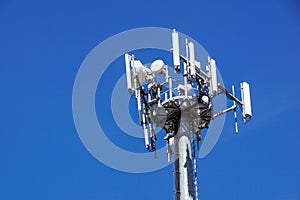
157	66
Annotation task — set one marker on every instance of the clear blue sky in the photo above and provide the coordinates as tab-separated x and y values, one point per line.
42	45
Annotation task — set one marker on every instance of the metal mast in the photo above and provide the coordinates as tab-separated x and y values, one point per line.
185	164
182	107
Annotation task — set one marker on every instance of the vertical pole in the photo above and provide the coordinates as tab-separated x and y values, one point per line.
183	165
195	171
186	69
177	173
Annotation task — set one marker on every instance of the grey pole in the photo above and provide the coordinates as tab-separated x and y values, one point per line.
183	165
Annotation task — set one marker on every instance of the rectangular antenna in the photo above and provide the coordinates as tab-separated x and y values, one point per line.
139	68
175	44
192	59
245	90
213	77
128	73
138	98
198	65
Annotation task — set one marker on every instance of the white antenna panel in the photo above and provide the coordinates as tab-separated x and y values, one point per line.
175	44
192	59
246	99
198	65
128	72
213	73
140	70
146	134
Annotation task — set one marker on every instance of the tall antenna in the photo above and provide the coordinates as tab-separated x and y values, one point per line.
182	107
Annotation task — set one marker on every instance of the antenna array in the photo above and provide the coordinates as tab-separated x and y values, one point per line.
182	107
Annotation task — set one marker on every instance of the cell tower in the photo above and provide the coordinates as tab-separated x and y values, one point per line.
182	107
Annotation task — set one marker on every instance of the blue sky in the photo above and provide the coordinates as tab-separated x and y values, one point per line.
42	45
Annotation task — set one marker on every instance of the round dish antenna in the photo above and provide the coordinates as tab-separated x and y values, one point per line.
158	66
